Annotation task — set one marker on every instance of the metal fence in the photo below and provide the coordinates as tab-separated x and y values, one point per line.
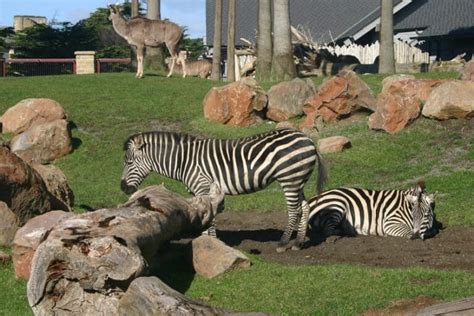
39	66
20	67
113	65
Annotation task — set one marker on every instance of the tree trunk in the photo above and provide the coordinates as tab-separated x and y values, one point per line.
231	42
264	41
283	66
88	262
216	56
386	59
135	9
155	56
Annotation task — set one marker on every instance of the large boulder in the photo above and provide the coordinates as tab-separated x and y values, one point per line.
21	187
211	257
29	112
467	71
286	99
57	185
8	225
453	99
236	103
43	142
337	98
28	238
400	102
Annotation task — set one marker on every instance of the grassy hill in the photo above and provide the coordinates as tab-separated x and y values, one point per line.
105	109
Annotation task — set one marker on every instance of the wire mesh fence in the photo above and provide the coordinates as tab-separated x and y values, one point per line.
39	67
20	67
113	65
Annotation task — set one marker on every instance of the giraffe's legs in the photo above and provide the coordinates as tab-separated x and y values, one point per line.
140	53
173	61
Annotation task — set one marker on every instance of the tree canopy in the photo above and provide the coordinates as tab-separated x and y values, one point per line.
62	39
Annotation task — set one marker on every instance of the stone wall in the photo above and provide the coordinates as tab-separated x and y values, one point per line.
85	62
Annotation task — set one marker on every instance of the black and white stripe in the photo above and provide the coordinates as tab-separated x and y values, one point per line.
243	165
406	213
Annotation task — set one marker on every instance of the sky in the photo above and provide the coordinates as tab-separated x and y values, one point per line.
188	13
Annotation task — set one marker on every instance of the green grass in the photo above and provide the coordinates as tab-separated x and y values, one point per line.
325	290
107	108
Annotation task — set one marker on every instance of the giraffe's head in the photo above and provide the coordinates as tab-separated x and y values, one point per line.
114	11
136	165
422	207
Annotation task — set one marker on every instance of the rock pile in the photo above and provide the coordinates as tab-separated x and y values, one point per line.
237	103
286	99
27	188
40	130
400	102
337	98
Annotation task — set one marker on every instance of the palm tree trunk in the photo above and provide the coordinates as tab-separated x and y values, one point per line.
153	9
216	56
387	59
135	9
155	56
231	42
283	66
264	40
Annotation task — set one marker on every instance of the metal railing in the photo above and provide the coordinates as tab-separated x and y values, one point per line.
113	65
39	66
58	66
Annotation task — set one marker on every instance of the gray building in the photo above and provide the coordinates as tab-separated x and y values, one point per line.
21	22
444	28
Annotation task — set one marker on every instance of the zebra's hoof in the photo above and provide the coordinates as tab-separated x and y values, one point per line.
281	249
296	247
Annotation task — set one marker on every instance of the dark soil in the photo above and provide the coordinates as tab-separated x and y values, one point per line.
258	233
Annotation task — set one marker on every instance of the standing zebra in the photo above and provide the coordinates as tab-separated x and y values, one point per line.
351	211
239	166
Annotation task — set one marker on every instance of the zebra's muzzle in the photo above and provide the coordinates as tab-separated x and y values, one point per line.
127	189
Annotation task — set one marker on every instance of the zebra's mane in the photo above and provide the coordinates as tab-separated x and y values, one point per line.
183	136
175	135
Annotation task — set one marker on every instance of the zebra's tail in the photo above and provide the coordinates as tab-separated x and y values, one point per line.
322	173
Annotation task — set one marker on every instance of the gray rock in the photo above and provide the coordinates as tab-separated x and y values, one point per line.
8	225
452	99
211	257
43	142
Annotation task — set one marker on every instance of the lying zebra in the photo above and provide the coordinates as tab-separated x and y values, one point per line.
349	211
239	166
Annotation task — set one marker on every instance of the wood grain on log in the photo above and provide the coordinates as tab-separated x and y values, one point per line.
87	262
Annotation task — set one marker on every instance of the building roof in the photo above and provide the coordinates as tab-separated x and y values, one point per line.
327	20
437	17
336	20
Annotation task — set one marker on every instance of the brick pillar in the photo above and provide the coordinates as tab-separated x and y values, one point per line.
85	62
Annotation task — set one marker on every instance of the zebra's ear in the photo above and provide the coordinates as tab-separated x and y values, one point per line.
139	142
421	184
412	199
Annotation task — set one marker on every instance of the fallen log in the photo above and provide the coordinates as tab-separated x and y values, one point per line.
463	306
150	296
87	262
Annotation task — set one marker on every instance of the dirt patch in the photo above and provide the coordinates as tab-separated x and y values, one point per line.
258	233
